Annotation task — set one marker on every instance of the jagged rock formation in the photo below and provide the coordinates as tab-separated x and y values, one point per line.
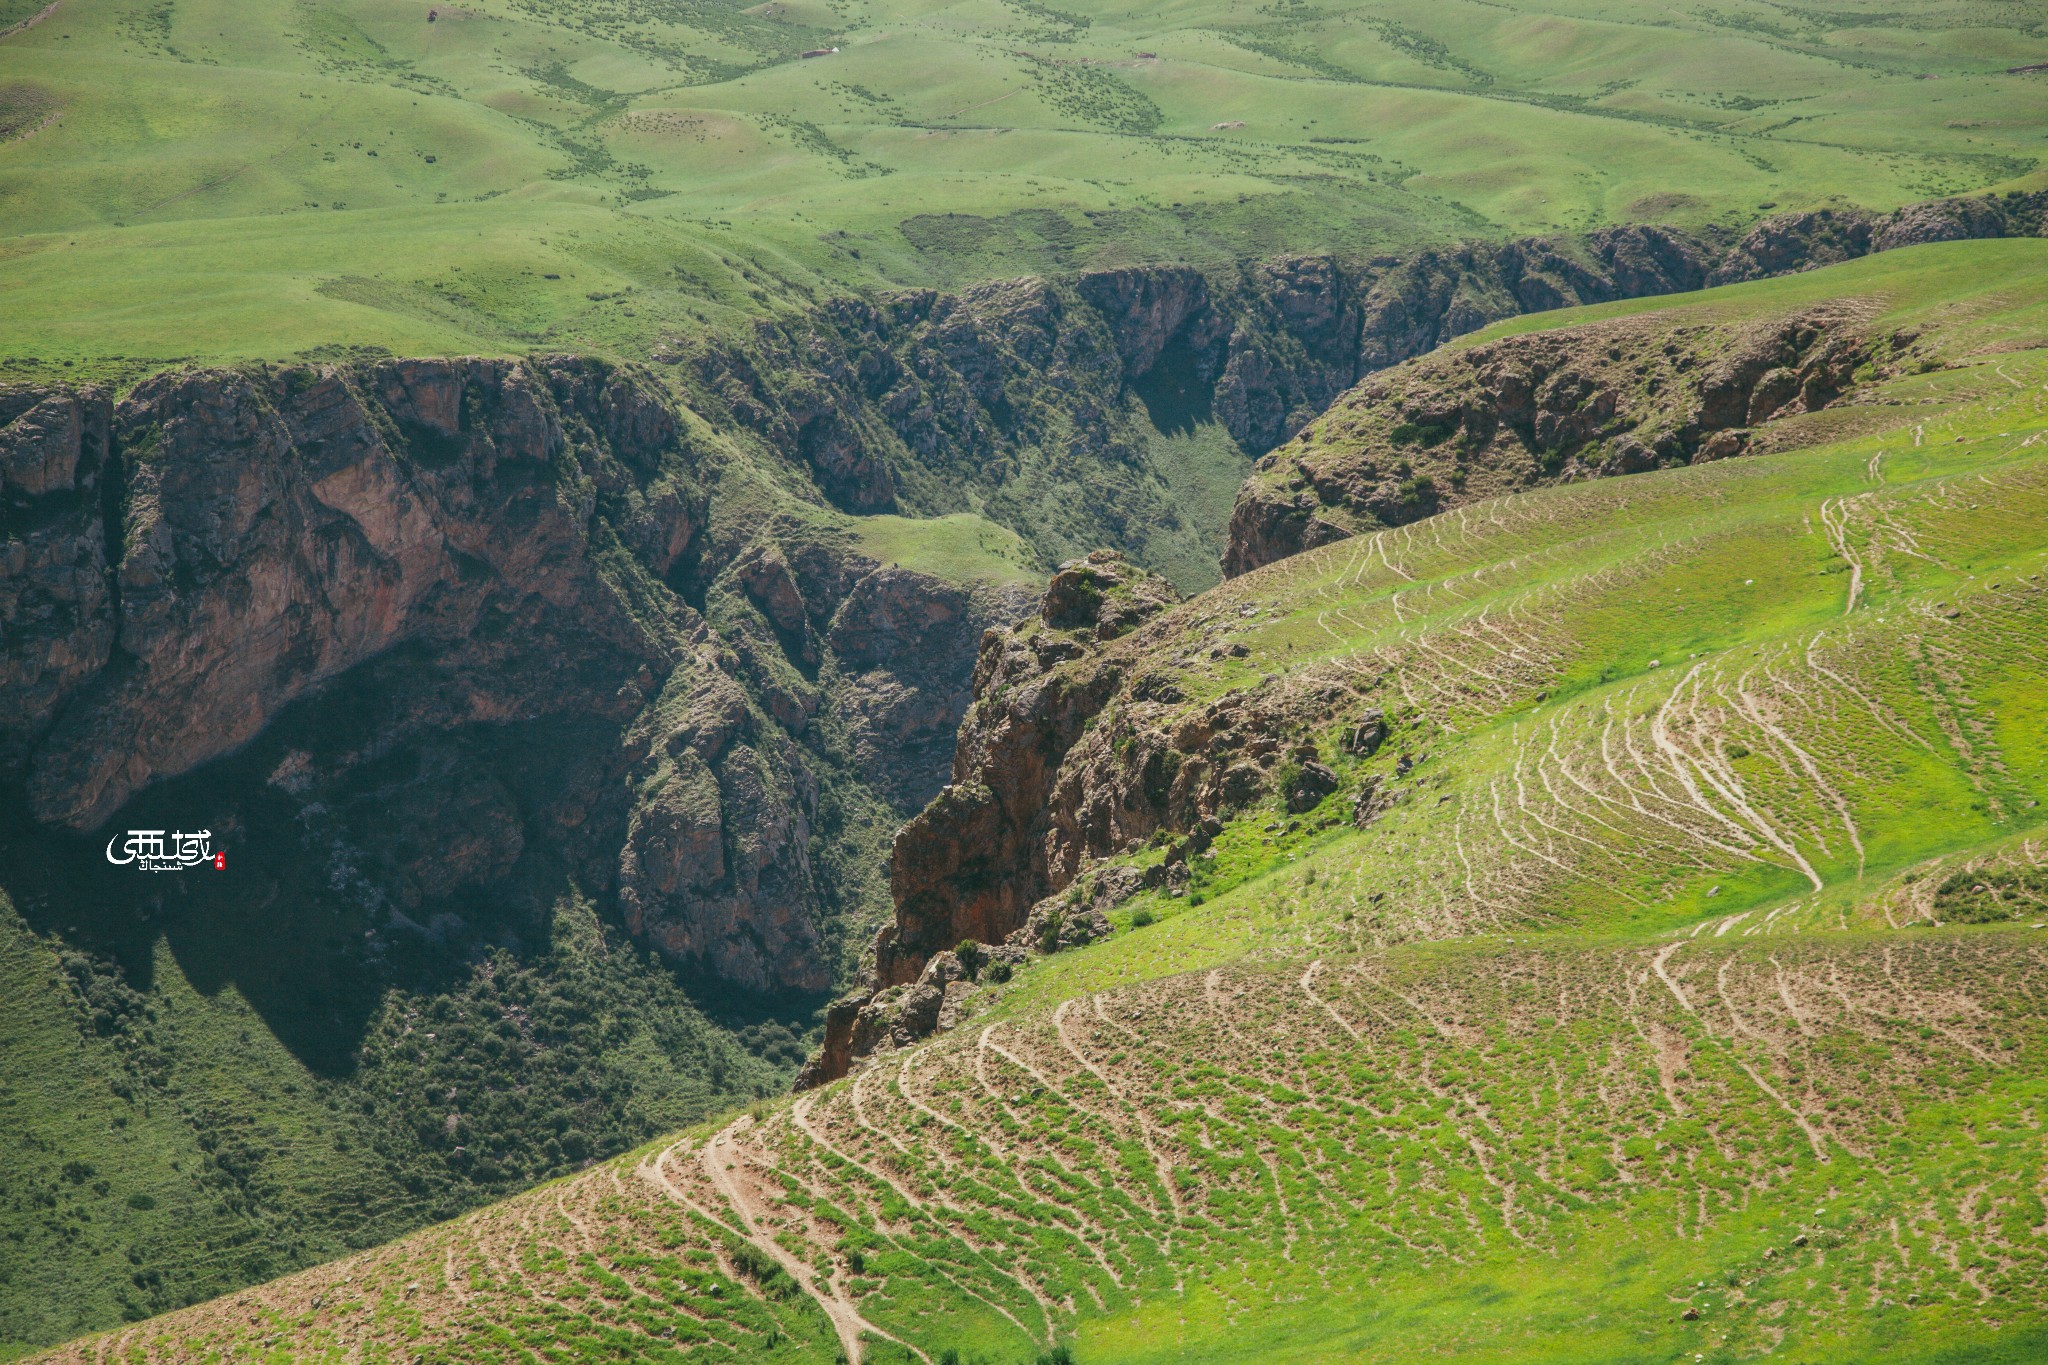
1806	241
262	535
999	837
1080	747
431	554
930	403
989	400
913	642
1549	407
1604	400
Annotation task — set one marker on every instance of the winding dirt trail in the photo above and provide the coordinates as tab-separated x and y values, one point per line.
800	1115
1792	1111
1161	1167
1308	988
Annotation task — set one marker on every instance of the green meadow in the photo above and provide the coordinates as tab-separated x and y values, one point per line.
218	179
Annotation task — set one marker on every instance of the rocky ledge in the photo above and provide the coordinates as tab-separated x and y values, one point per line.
1607	398
1080	746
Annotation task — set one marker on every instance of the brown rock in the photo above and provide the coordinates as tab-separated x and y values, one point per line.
1603	399
426	528
973	863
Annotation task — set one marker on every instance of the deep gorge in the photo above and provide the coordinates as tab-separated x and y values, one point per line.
456	655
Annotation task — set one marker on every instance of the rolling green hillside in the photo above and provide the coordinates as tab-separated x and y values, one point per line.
223	179
1661	979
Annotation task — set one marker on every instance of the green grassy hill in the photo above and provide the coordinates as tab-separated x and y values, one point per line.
173	1136
1665	986
220	179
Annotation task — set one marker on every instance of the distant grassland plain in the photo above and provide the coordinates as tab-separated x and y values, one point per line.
223	179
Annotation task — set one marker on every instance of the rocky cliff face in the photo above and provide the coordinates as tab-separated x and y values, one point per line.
416	558
1003	397
1395	449
996	398
1550	407
1081	746
261	534
998	838
1806	241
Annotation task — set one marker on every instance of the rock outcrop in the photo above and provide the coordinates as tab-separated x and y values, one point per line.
56	596
974	861
416	559
1549	407
907	644
1806	241
270	537
1081	747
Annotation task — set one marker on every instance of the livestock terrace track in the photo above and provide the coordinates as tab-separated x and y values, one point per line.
1296	1131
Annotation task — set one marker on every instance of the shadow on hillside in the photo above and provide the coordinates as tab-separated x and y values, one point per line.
1175	397
311	921
262	927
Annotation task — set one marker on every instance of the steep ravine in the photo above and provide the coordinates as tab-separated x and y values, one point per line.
471	669
464	547
437	647
472	545
1038	792
1003	398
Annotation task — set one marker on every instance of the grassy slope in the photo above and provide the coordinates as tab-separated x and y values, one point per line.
218	179
177	1131
1640	1005
1976	300
960	548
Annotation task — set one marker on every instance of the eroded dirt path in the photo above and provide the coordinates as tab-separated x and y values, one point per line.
30	22
719	1158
